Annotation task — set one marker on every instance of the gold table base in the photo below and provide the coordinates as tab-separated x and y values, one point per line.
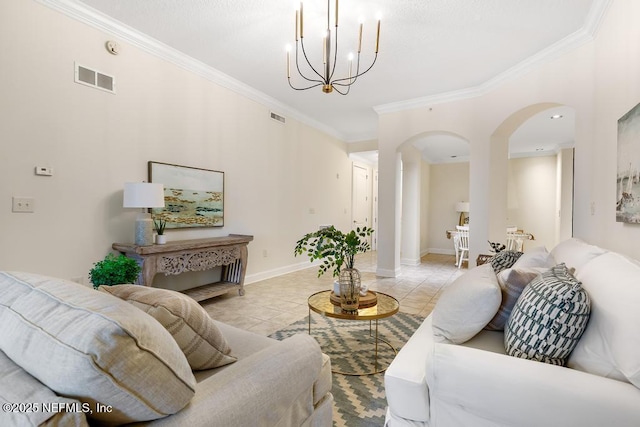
387	306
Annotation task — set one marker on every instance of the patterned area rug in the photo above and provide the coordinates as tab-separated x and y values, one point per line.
359	401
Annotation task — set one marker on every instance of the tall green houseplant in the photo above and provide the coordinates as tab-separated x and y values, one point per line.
338	251
335	248
114	270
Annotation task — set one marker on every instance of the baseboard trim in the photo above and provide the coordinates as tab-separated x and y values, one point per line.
441	251
384	272
269	274
410	261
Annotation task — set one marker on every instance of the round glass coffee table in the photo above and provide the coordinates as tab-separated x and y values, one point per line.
386	306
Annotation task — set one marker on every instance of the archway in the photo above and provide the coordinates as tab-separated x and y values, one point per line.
492	202
421	220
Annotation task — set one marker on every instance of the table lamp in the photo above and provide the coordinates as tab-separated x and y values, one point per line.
143	195
462	207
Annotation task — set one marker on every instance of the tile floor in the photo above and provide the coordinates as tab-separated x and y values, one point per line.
271	304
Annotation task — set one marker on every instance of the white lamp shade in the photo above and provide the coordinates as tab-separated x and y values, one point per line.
462	207
143	195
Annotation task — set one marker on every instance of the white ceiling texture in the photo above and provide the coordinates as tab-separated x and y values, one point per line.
430	51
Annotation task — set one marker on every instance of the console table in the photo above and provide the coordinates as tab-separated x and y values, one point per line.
173	258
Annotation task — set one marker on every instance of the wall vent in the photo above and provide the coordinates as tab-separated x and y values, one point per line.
278	118
88	77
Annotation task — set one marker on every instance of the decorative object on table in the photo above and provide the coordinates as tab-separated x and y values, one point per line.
496	247
369	299
194	197
114	270
628	172
337	250
159	224
324	76
463	208
143	195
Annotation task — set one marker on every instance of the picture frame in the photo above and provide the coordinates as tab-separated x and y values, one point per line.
194	197
628	170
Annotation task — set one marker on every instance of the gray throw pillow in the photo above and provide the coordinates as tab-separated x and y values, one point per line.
512	282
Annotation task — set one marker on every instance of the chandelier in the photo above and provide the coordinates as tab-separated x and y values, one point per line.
325	76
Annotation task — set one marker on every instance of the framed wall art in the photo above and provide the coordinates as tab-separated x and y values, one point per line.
628	174
193	197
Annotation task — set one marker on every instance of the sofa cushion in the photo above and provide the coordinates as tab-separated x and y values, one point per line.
512	282
610	346
575	253
93	347
503	260
32	403
198	337
466	305
549	318
538	257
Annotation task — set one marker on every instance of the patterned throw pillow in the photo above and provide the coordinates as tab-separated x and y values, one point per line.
549	318
504	260
188	323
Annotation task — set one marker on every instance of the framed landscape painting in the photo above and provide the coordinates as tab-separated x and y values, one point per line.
193	197
628	176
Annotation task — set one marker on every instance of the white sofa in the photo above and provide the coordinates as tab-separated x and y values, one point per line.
74	356
434	381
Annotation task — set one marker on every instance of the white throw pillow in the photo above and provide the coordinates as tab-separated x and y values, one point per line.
93	347
538	257
610	346
466	305
574	253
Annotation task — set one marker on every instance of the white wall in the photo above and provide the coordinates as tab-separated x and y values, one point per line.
531	200
532	204
448	184
275	175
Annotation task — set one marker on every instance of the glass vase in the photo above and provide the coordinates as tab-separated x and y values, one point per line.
349	289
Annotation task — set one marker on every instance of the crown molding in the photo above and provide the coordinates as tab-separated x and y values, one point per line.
96	19
572	41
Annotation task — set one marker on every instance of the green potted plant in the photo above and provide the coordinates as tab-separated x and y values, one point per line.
337	250
114	270
159	224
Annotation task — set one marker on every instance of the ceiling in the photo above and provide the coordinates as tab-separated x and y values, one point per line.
429	50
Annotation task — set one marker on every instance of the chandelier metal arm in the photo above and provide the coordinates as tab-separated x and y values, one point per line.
303	88
358	74
304	53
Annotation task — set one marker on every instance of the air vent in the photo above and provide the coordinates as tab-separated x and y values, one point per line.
278	118
88	77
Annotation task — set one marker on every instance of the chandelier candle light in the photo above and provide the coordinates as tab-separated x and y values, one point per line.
326	80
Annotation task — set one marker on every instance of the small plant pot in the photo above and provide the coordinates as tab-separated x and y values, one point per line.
161	239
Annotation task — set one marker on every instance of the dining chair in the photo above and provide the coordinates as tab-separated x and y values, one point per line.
463	247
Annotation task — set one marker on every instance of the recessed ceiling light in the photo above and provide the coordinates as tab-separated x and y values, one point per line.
556	116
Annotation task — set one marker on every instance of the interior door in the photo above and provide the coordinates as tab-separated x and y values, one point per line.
361	197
